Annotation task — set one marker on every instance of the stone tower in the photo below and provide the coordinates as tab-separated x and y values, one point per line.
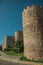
32	18
18	36
9	41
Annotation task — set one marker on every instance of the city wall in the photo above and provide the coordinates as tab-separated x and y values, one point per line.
32	17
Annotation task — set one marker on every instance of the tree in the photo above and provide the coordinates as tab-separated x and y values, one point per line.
19	44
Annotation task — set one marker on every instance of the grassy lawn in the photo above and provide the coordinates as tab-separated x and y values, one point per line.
13	53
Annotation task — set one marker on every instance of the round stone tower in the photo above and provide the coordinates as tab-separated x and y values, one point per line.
33	32
18	36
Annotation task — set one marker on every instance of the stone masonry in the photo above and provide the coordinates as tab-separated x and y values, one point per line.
32	18
9	41
18	36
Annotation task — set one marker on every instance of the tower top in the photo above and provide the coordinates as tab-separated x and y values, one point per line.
32	7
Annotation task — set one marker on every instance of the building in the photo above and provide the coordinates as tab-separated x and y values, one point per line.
8	42
18	36
32	18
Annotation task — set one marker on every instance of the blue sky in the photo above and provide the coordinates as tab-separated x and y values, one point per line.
11	16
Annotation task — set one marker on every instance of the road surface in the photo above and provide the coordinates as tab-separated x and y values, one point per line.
8	60
3	62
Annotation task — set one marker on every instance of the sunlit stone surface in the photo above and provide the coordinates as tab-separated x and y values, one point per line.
33	32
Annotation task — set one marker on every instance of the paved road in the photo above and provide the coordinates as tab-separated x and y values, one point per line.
2	62
11	59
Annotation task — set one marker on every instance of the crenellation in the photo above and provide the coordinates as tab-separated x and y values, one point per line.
32	8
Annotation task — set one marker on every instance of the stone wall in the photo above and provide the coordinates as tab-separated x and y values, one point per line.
4	44
18	36
33	32
9	41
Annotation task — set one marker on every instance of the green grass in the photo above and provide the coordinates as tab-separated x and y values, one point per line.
13	53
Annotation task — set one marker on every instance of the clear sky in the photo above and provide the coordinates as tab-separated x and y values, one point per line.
11	16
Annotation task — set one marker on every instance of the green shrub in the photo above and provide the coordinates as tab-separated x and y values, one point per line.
24	59
7	49
19	44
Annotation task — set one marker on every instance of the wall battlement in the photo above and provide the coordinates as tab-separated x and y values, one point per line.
32	9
